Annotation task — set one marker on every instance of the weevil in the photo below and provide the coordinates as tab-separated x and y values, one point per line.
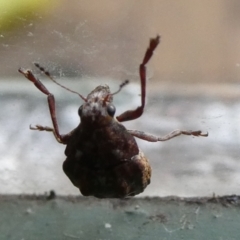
102	156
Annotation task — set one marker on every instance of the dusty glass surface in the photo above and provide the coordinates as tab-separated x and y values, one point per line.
193	83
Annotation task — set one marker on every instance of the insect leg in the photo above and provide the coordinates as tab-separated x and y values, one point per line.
133	114
51	103
152	138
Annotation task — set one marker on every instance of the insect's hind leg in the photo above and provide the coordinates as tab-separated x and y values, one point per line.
176	133
51	103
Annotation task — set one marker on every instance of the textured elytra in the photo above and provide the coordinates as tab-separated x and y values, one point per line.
106	163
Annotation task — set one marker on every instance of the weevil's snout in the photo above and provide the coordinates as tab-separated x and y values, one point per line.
98	108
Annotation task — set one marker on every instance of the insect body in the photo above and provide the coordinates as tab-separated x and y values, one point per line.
103	158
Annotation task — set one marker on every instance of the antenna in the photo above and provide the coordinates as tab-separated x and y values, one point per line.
123	84
51	78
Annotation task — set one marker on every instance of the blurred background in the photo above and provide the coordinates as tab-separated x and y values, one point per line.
193	76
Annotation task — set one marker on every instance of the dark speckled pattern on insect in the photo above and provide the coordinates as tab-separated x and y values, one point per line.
103	158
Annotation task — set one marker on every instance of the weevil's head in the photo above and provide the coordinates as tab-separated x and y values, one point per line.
97	110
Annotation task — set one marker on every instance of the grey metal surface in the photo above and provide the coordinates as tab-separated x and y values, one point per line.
35	217
31	161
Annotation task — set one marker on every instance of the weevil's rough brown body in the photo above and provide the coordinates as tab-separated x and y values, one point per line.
111	169
103	159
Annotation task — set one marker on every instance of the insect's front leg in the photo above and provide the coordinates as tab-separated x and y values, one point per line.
152	138
51	103
133	114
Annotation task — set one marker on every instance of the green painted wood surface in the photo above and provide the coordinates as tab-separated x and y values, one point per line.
37	217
